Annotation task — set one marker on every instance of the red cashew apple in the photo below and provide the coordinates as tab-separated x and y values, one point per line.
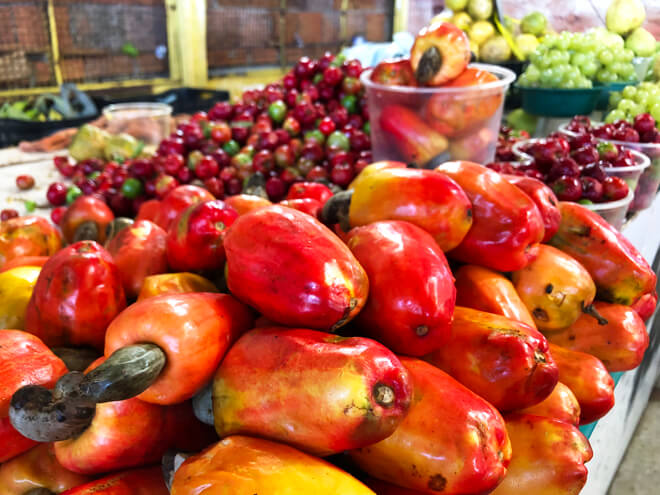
144	481
440	53
92	212
176	201
561	404
27	236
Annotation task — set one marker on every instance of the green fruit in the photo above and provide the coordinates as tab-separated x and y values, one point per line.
519	119
277	111
625	15
72	193
495	50
131	188
480	10
534	23
527	44
456	5
338	139
641	42
231	147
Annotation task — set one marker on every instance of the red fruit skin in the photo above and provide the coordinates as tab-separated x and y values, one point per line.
549	457
138	251
78	293
454	48
245	203
24	360
178	200
27	236
271	267
486	290
620	344
306	205
24	261
645	305
144	481
427	199
86	208
320	385
313	190
620	272
394	73
507	225
148	210
411	288
195	239
451	441
12	443
561	404
504	361
194	330
415	140
544	199
588	379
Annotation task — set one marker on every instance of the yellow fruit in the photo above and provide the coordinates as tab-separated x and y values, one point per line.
480	31
527	44
495	50
462	21
480	9
16	287
456	5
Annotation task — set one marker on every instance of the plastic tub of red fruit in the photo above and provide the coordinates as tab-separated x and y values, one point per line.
613	211
649	181
429	125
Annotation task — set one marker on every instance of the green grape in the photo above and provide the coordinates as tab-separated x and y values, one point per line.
628	55
605	76
564	40
554	57
533	73
637	109
567	84
629	92
615	98
543	62
565	57
605	56
590	69
523	80
626	105
628	73
616	67
556	79
574	72
547	75
615	115
655	111
579	59
642	98
586	83
589	45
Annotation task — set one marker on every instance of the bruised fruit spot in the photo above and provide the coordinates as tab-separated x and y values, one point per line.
347	313
548	289
540	314
539	357
437	483
469	213
422	330
383	395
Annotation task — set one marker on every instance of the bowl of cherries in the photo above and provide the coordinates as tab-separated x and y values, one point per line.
602	176
641	135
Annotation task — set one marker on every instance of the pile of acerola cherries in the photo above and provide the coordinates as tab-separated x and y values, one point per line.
642	129
576	168
505	140
313	125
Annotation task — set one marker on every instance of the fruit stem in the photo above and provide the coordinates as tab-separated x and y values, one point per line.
335	210
66	411
429	65
591	311
383	395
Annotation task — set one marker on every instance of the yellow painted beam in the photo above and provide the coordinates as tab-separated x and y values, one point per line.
54	44
187	39
401	8
173	52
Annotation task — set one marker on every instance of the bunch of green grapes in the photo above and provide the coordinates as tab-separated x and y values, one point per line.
635	100
578	60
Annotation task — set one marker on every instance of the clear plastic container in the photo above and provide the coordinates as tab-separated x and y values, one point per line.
649	181
428	126
631	175
613	211
149	122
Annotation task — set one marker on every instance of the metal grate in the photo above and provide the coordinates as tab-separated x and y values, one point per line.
278	32
101	40
25	54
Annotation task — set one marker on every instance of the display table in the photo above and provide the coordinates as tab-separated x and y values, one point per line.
609	437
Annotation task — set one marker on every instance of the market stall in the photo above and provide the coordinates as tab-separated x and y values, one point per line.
434	273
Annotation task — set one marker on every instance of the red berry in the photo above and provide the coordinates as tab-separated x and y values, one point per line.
564	166
221	132
327	125
221	111
292	126
567	188
228	173
142	168
215	186
184	175
24	182
289	81
353	68
233	186
56	194
644	123
342	174
165	184
592	189
284	156
614	188
64	166
595	170
332	75
339	116
627	134
317	173
57	214
275	188
585	155
206	168
312	151
305	113
359	141
263	161
7	214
